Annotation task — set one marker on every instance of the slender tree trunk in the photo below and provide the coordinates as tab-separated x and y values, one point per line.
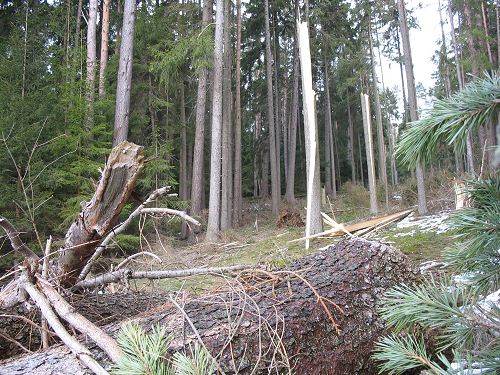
292	139
104	47
276	65
405	100
361	170
382	158
412	98
123	88
227	173
313	221
199	138
275	195
257	158
238	203
264	184
183	176
285	125
486	34
78	23
351	141
367	126
497	13
213	225
329	146
91	62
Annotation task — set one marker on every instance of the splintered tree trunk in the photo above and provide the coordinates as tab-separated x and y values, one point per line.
104	47
276	323
412	99
213	226
367	126
99	215
91	62
275	189
199	138
122	110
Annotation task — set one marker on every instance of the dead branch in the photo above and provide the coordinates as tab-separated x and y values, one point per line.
82	324
45	274
16	242
121	227
130	258
80	351
127	274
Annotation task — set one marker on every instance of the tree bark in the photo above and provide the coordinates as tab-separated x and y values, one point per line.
241	328
91	63
292	138
199	140
122	110
275	189
238	198
104	47
99	215
183	175
213	226
367	126
351	141
412	99
329	145
227	125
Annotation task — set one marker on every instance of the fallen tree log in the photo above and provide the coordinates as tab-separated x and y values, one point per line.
268	320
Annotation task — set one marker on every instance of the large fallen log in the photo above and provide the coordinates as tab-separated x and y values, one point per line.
275	319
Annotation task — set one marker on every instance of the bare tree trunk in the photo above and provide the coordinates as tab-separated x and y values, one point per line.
362	172
292	139
104	47
122	110
329	146
367	126
497	13
238	203
199	138
275	189
213	226
258	156
313	220
277	107
412	99
351	141
91	62
382	158
264	183
227	124
183	176
78	23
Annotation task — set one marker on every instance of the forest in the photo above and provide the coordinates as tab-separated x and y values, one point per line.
240	186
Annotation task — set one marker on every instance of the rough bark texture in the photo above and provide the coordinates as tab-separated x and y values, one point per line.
238	195
412	98
104	47
122	110
352	274
367	126
91	62
100	214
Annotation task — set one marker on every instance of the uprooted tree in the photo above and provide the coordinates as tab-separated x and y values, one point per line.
318	315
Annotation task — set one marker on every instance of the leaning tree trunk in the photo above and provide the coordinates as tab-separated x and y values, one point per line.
274	321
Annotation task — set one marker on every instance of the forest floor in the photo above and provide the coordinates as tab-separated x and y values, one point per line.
261	240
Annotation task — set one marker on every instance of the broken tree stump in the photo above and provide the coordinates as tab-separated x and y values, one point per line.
98	216
274	319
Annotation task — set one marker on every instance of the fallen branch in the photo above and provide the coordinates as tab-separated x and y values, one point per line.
127	274
80	351
82	324
16	242
130	258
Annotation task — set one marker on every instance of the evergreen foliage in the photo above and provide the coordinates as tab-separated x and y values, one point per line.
146	354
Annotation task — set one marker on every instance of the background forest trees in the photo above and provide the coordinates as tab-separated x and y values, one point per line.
56	131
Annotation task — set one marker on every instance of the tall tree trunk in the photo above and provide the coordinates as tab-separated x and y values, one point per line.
382	158
264	183
213	225
361	171
405	98
275	191
257	157
183	176
292	139
238	203
91	62
412	99
351	140
227	170
313	221
199	138
367	126
123	88
78	23
104	47
277	106
329	146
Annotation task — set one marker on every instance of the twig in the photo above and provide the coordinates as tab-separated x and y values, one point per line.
137	255
82	324
15	342
125	273
16	242
80	351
